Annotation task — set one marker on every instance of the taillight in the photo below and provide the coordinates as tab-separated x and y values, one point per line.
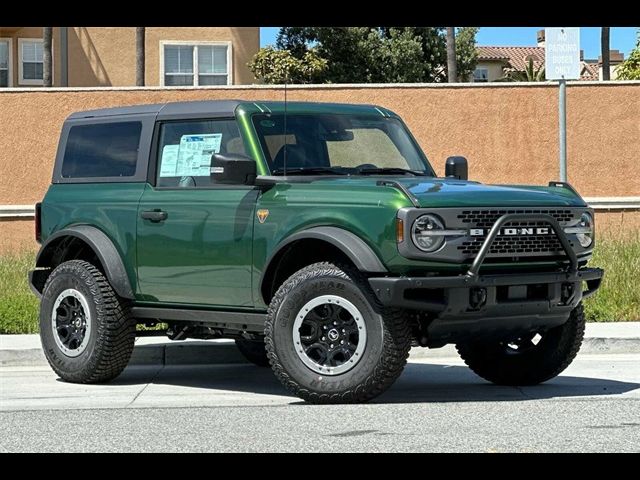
38	223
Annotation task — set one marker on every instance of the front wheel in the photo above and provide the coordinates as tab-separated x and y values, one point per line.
529	359
329	341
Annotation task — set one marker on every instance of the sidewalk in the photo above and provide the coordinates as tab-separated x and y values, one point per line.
25	350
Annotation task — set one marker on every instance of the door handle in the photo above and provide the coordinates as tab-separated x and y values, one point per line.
154	215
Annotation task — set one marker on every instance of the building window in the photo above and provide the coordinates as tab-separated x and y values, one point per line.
5	62
195	64
481	75
30	51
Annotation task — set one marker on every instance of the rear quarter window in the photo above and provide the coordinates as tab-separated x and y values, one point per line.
102	150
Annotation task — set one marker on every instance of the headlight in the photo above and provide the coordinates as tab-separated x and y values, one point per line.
427	234
584	230
586	236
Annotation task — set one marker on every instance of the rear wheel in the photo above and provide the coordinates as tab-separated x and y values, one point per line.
329	341
529	359
86	330
254	351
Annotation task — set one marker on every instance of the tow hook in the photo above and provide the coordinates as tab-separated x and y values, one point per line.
566	293
477	297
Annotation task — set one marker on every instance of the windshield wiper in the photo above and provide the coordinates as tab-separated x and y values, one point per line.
308	171
391	170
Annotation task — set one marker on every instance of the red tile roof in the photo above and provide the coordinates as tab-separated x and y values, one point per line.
589	71
517	59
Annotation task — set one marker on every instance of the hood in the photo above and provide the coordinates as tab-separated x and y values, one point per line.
447	192
442	192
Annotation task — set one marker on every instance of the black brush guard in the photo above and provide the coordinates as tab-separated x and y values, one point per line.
471	305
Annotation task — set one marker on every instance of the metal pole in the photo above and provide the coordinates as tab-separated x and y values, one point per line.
562	111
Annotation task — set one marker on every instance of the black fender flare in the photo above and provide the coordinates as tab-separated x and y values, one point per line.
104	249
356	249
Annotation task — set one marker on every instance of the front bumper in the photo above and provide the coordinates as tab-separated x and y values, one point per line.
453	294
465	306
468	306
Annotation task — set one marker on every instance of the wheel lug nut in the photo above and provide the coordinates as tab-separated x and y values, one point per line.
324	338
341	342
335	323
332	345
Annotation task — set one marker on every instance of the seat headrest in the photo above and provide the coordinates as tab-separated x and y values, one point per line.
296	157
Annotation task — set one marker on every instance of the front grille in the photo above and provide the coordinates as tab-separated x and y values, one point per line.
516	245
486	218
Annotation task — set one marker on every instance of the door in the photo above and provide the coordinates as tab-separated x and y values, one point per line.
194	237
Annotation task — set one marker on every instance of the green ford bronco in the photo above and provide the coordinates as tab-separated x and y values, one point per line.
318	236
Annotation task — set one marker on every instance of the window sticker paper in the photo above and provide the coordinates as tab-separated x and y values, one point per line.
194	154
169	161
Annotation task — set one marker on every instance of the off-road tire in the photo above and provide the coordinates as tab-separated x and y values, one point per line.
254	351
555	351
385	353
113	329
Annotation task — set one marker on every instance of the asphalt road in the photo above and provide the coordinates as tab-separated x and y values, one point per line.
437	405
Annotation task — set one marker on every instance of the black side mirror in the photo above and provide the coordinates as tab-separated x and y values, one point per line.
233	169
456	167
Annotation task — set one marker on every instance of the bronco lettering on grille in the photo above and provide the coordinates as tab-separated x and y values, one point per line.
479	232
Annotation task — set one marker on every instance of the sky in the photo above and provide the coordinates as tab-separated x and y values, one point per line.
621	38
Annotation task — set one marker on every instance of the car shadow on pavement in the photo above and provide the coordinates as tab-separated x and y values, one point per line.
420	382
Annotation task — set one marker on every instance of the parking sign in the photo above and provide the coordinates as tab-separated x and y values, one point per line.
562	53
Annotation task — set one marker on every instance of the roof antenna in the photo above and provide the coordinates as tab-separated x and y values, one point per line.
286	79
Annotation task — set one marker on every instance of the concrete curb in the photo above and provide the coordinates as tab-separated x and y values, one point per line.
225	352
177	353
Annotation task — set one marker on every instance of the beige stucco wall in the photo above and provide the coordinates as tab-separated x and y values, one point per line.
102	56
508	132
106	56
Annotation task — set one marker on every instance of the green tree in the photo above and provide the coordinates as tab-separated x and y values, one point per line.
530	74
630	68
466	52
359	54
370	54
280	66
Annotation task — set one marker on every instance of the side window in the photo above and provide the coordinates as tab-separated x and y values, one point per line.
102	150
185	149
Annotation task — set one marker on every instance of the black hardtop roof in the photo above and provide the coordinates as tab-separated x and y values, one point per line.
213	107
226	108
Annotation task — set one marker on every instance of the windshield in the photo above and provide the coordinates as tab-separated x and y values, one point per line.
339	144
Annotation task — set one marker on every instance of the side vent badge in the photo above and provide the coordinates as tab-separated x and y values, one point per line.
263	213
